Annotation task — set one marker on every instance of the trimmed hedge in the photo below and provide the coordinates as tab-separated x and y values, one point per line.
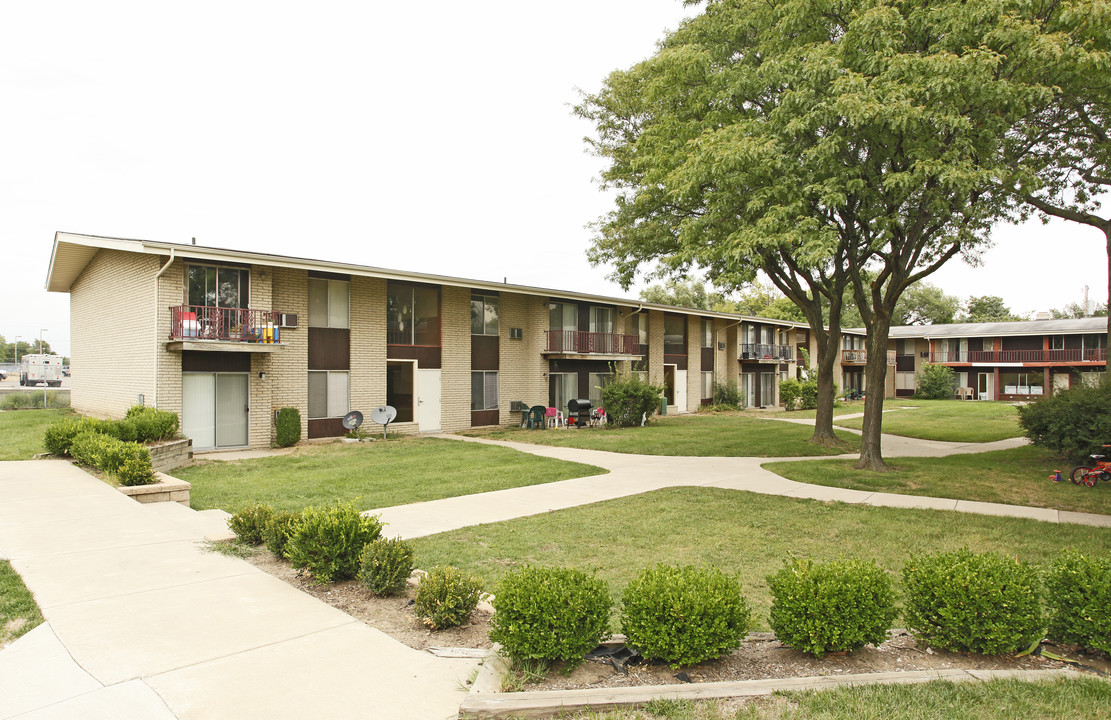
684	615
128	462
1079	599
287	427
550	614
277	532
327	541
446	597
835	607
968	602
385	566
249	524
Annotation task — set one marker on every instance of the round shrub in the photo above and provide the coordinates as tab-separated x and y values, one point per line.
446	597
287	427
684	614
968	602
835	607
1078	592
250	523
627	399
550	614
385	566
278	530
134	464
59	435
327	541
151	424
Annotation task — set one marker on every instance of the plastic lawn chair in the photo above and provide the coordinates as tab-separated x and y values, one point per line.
536	420
553	417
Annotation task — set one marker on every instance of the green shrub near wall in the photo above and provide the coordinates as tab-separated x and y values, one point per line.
627	399
287	427
128	462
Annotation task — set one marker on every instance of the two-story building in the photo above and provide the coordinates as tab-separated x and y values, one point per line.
225	338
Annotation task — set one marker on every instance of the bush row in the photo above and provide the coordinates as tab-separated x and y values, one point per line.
128	462
140	425
337	542
32	399
959	601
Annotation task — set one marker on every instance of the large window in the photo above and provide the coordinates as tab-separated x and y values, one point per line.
707	384
328	396
707	335
1022	383
329	303
562	388
602	320
904	381
412	315
484	315
638	325
675	335
484	390
563	316
211	286
597	382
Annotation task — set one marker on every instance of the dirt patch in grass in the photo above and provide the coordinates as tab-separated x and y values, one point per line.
761	656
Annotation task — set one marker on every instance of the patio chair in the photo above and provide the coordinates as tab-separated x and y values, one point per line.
554	418
536	418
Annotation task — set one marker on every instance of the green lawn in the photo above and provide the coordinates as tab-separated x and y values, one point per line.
18	611
728	434
741	532
371	475
842	407
1018	476
21	431
1080	698
948	420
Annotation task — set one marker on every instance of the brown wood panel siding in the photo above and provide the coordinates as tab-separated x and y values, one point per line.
707	359
328	275
1033	342
484	417
679	361
329	348
326	427
204	361
904	363
484	352
427	357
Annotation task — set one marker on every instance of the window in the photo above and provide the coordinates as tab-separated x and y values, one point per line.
707	384
602	320
484	314
1021	383
1095	342
211	286
597	382
904	381
401	389
412	315
1056	342
748	334
707	335
638	325
563	316
484	390
675	335
904	347
329	303
328	393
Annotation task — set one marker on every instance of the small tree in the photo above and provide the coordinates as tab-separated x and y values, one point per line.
287	427
790	390
935	382
627	398
726	394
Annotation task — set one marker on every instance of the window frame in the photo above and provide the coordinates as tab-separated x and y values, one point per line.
483	300
330	298
485	374
328	394
411	332
243	293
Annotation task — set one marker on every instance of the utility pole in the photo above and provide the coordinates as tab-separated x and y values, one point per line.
16	350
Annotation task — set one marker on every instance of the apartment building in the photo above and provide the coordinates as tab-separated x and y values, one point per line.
225	338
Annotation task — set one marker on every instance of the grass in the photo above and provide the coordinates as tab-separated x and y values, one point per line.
739	532
947	420
18	611
1062	699
371	475
22	431
1018	476
841	407
729	434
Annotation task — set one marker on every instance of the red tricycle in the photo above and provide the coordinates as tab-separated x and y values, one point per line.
1087	475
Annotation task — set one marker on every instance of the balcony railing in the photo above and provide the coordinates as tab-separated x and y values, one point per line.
988	357
759	351
240	325
597	343
860	357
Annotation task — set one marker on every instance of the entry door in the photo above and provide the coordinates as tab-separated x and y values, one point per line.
669	384
985	386
428	400
214	409
767	389
681	390
748	389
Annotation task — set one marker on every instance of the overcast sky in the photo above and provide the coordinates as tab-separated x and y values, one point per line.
434	137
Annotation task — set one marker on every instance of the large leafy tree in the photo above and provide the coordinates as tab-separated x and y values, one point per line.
926	304
989	308
691	294
833	145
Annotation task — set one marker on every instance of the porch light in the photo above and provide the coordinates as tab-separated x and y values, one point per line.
262	375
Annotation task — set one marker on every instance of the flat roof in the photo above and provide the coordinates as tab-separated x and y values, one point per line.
995	329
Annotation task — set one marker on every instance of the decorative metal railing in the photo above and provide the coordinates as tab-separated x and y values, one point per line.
761	351
201	322
987	357
577	341
860	357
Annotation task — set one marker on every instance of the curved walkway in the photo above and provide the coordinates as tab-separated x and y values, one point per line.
634	474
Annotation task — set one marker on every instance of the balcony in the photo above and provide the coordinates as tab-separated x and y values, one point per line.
199	327
767	353
860	357
1073	356
596	344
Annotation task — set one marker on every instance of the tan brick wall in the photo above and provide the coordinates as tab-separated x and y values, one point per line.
113	345
694	364
287	376
368	345
171	292
455	372
655	347
522	372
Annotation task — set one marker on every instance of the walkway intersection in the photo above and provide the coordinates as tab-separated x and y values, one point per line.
142	622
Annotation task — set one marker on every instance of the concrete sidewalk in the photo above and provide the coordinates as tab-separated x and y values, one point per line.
144	623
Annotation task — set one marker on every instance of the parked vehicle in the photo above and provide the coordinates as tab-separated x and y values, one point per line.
45	369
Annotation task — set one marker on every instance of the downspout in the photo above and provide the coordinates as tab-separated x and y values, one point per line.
157	277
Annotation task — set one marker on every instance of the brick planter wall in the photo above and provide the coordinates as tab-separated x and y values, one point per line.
166	489
170	455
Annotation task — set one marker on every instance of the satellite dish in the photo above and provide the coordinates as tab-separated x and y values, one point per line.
383	415
352	420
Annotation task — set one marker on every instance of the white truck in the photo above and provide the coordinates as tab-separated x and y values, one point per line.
45	369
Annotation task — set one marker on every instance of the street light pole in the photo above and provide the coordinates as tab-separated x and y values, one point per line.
16	349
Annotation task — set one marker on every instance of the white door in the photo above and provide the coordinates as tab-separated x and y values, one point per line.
428	400
198	409
232	410
681	390
985	388
748	389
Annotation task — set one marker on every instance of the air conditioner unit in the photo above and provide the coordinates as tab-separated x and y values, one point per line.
288	320
516	333
924	353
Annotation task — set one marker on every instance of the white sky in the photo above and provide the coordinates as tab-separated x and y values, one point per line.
433	137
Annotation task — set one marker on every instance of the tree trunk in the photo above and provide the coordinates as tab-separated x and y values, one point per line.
823	418
1107	235
875	374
